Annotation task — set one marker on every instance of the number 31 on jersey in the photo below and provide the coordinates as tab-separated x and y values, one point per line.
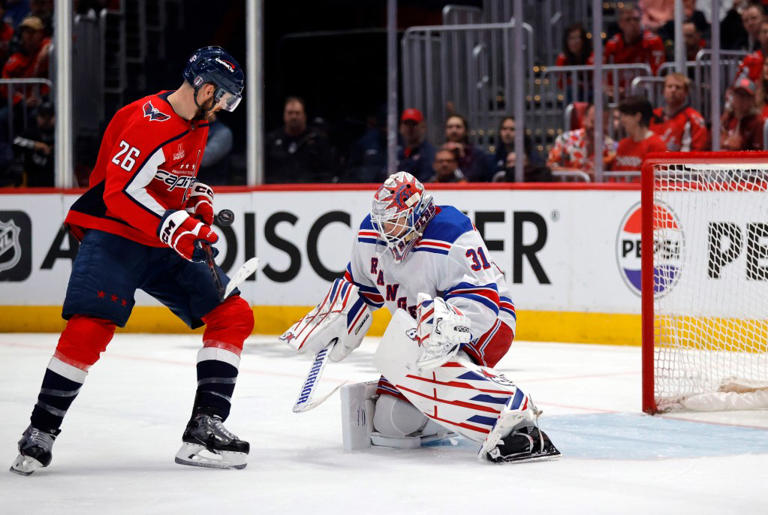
477	264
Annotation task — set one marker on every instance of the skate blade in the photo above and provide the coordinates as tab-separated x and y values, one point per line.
197	455
541	456
25	465
547	454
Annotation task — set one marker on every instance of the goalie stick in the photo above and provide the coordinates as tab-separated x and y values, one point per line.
304	402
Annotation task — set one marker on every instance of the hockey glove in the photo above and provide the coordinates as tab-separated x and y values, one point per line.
186	235
440	331
200	203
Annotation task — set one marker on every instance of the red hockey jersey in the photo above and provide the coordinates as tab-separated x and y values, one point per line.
630	154
649	49
148	159
684	131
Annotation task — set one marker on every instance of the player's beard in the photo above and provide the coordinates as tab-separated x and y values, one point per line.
205	112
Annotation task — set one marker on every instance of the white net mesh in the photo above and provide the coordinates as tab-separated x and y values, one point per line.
710	227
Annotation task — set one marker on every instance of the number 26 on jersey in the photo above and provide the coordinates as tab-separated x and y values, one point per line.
126	156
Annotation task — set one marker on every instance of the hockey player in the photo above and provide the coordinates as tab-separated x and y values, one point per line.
453	319
146	223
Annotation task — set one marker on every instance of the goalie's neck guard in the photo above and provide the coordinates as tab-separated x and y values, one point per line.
400	213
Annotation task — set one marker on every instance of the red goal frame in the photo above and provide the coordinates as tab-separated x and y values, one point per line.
646	193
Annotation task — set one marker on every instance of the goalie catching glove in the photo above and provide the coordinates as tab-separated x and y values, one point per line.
186	235
440	331
341	319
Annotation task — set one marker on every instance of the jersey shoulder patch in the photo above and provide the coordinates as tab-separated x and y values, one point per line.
366	233
153	114
443	230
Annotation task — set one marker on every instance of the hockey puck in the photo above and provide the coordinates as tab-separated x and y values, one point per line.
225	217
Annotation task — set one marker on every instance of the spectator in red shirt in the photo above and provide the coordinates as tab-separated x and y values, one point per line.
29	61
742	125
635	115
752	65
633	45
680	126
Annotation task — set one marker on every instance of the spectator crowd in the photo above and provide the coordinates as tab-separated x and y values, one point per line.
27	116
302	149
633	127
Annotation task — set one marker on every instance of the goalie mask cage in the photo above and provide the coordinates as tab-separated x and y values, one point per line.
705	281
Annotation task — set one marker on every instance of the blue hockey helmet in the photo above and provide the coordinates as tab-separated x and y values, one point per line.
212	64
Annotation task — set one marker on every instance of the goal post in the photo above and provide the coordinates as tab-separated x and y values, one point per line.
704	280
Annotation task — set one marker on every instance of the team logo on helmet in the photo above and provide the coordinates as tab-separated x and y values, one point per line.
400	213
229	66
401	190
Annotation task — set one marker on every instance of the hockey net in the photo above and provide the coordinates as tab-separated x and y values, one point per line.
705	281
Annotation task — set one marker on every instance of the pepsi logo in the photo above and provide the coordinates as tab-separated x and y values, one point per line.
668	249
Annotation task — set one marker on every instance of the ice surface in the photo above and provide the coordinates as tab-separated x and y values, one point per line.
115	453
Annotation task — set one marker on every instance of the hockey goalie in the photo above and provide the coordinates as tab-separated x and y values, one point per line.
452	321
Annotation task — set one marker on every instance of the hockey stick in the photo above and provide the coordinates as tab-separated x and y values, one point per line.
212	269
224	218
245	271
305	402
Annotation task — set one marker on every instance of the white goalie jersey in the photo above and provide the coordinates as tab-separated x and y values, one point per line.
449	261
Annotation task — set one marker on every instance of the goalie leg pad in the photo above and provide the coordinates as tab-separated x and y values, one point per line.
396	422
395	417
473	400
357	406
459	395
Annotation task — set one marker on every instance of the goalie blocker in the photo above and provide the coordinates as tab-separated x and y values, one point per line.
341	319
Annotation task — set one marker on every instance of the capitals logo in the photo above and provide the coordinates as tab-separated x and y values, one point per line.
153	113
668	249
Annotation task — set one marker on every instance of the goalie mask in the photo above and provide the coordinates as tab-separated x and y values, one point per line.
400	213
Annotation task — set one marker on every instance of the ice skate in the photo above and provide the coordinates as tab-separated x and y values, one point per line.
34	450
516	435
207	443
525	444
